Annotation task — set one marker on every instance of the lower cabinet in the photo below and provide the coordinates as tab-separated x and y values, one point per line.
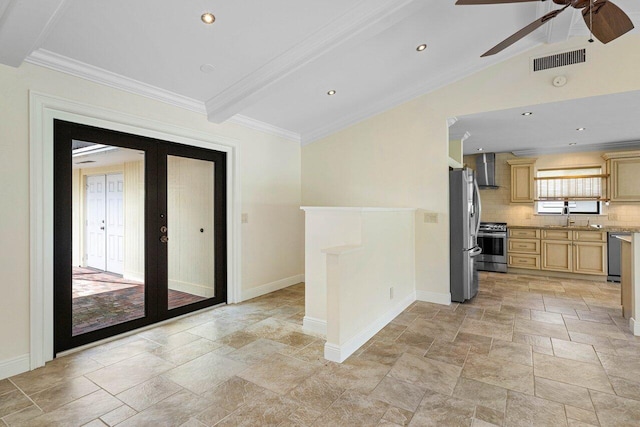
567	251
557	255
575	257
590	258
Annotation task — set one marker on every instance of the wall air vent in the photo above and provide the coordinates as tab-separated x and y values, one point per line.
560	60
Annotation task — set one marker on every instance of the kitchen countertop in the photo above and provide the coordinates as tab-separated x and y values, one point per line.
608	228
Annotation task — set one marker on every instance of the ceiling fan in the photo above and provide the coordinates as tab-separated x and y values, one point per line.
605	20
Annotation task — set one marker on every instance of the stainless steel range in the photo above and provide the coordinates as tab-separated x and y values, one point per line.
492	238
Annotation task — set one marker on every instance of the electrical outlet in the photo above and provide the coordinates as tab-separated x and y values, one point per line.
245	218
431	217
391	292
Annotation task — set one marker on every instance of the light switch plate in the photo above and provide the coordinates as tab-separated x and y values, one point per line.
431	217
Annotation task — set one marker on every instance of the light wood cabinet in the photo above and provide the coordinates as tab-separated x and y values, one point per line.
590	236
522	182
590	258
524	233
531	262
624	176
557	255
556	235
524	248
564	250
530	246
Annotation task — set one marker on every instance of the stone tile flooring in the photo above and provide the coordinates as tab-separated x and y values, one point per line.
526	351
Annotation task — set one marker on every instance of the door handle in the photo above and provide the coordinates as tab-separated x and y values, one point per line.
164	239
163	229
102	228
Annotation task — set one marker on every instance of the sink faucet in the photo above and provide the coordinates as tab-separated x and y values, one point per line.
566	211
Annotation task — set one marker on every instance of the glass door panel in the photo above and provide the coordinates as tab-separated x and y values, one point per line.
108	212
190	234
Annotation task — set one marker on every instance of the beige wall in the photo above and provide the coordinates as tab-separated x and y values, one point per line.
269	171
497	206
399	158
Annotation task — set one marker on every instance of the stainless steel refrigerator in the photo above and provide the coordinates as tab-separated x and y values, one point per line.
465	209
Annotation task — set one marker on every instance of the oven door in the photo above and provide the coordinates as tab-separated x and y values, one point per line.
494	247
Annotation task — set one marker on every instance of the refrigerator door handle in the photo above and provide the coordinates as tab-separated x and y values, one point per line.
475	251
479	209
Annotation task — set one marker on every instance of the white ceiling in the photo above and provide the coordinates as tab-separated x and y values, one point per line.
610	122
274	61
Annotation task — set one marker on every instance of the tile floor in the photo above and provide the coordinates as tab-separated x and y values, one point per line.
526	351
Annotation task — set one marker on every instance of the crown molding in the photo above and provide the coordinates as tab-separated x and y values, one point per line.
64	64
254	124
394	100
605	146
365	16
54	61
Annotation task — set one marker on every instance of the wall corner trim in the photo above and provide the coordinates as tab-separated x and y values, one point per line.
15	366
314	326
340	353
267	288
634	326
434	297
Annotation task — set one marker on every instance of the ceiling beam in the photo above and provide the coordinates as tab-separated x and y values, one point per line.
24	25
363	21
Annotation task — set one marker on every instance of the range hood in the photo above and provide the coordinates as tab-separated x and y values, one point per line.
486	170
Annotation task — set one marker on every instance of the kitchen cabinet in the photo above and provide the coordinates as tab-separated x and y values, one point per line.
557	255
522	182
590	258
524	248
623	169
575	251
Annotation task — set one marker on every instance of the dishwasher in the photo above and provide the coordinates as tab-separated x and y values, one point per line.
614	247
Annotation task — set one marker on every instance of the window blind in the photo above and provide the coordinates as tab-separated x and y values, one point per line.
569	184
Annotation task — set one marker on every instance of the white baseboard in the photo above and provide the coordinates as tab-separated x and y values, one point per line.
192	288
270	287
434	297
634	326
15	366
313	325
339	353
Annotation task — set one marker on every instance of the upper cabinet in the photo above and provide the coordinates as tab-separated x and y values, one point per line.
624	181
522	182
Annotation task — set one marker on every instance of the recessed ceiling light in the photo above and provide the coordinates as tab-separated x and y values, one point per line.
528	113
331	92
573	143
480	149
421	47
208	18
581	129
207	68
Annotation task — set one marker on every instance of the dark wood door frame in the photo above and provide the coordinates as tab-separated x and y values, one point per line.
155	252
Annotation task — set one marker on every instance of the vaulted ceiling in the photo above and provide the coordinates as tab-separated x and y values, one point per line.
269	64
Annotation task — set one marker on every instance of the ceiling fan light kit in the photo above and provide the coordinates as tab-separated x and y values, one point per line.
605	20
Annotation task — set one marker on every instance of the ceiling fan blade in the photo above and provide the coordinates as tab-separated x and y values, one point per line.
465	2
609	21
523	32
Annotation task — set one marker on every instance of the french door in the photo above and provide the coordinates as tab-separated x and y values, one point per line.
139	232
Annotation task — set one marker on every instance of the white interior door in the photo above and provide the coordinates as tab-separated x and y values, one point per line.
95	240
115	223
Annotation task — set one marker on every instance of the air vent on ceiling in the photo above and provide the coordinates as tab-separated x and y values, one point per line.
560	60
85	161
